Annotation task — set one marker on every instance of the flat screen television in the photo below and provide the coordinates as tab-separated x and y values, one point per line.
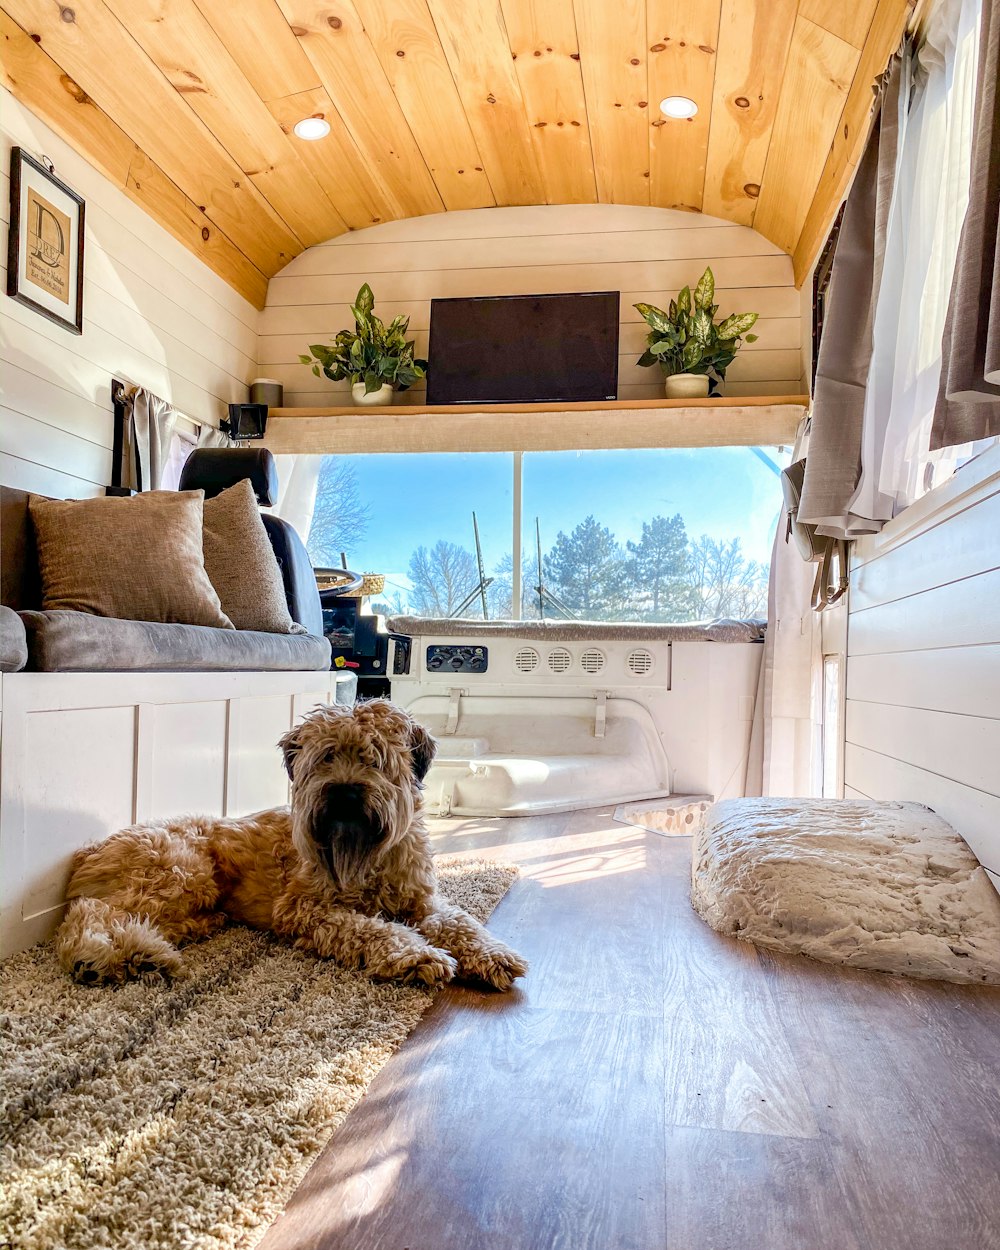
523	349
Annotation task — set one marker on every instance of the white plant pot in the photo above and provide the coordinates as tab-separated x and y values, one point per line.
375	399
686	386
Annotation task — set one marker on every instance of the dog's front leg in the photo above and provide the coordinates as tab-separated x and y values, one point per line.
382	948
479	954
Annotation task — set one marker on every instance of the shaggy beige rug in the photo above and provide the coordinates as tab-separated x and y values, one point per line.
185	1115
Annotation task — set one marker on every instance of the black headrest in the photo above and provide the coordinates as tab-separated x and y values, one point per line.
214	469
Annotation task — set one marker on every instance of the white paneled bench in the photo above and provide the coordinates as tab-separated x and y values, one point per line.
83	754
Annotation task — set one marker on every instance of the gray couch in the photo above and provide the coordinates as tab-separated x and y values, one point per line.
78	642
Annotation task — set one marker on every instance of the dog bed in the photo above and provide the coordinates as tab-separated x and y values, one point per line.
886	886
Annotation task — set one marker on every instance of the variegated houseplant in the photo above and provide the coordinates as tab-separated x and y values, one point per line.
376	358
687	342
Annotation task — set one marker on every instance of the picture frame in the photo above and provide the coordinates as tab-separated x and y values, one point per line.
45	243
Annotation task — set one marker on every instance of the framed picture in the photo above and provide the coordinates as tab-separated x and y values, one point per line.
45	244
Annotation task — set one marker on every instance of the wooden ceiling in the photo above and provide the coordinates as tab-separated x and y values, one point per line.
188	105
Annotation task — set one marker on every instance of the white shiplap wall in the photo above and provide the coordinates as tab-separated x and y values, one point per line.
923	668
153	314
645	253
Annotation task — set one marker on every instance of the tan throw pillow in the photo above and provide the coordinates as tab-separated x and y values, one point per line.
137	558
241	563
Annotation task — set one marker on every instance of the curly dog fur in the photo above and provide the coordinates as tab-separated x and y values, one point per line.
345	871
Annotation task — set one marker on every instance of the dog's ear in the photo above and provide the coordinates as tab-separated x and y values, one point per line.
290	744
423	748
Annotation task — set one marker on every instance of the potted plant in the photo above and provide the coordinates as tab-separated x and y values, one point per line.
693	350
376	357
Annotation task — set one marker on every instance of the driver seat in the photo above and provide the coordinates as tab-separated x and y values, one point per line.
215	469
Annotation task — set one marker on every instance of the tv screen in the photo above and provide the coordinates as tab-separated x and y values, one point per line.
517	349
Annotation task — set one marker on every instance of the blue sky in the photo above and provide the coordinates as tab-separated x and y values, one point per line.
724	492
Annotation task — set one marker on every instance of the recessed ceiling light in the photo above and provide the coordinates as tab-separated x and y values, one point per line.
312	128
678	106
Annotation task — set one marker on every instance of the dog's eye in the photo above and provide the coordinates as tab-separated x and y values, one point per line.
330	756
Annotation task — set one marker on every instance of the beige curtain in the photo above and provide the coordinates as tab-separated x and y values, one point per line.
149	428
833	465
968	405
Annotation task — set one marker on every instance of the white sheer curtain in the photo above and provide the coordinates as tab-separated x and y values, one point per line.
298	478
929	201
786	736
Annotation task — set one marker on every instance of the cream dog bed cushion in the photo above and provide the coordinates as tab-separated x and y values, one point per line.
887	886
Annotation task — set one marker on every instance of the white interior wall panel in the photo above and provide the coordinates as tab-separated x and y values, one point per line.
84	754
923	673
153	314
645	253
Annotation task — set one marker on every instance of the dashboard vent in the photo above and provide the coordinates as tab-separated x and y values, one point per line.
592	660
639	662
526	660
559	660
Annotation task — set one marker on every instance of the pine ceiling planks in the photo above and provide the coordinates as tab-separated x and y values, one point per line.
178	39
407	45
455	104
86	43
336	43
262	44
683	40
546	55
613	59
336	161
61	103
817	79
753	45
886	31
475	42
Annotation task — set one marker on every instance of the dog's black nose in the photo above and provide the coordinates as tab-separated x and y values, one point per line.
345	798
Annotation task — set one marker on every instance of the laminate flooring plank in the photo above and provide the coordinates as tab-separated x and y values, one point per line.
652	1084
904	1077
745	1191
542	1130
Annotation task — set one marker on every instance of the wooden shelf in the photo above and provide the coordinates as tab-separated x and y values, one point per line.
735	422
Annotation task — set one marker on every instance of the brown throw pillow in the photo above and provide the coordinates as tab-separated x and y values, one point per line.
241	563
137	558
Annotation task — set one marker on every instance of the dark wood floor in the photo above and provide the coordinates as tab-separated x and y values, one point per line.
654	1085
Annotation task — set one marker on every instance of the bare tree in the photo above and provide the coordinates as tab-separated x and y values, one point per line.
725	582
340	518
442	577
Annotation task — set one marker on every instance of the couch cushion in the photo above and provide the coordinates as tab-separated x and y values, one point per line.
241	563
78	642
13	644
136	558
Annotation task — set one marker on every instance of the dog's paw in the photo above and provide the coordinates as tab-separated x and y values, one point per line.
498	966
427	966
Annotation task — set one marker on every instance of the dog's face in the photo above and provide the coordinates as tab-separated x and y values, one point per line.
356	775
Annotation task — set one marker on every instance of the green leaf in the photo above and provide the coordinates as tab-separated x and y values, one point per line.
691	355
752	338
704	292
673	310
647	358
654	317
701	326
684	299
736	324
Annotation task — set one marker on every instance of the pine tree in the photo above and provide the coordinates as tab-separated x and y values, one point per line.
659	571
587	570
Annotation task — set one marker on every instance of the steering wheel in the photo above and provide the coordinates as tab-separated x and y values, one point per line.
338	581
